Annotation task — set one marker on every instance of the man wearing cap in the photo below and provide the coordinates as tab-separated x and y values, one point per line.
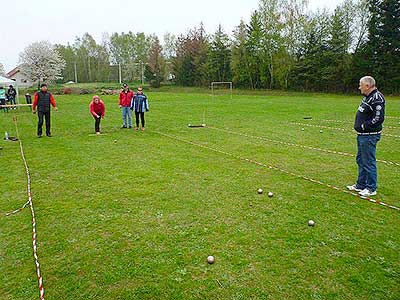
368	125
42	101
125	99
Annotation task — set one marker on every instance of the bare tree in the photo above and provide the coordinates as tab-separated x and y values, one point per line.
41	62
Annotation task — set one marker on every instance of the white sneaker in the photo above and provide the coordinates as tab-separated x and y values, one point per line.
353	188
367	193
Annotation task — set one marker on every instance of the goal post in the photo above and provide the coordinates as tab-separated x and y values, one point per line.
219	85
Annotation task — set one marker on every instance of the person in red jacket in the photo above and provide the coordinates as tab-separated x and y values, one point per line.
42	101
125	99
97	109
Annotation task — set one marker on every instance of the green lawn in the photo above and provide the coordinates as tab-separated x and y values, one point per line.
137	218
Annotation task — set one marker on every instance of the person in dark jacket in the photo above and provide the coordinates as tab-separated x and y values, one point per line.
125	99
368	125
140	105
97	109
12	95
42	101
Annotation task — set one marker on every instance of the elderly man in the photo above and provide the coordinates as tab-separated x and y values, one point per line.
368	125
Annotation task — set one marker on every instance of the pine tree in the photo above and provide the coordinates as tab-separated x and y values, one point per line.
219	57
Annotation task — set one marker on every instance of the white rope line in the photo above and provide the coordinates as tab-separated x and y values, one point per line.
336	128
30	203
280	170
299	145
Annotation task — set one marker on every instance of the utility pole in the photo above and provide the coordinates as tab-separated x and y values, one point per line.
76	75
142	73
119	73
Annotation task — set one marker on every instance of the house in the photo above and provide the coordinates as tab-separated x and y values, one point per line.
20	78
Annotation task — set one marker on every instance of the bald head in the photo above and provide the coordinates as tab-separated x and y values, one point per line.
367	85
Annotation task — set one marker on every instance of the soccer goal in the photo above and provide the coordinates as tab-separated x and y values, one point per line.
219	88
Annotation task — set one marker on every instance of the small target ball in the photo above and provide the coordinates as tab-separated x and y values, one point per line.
311	223
115	141
260	191
320	131
302	129
210	259
270	194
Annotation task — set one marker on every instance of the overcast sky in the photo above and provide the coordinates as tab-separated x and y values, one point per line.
27	21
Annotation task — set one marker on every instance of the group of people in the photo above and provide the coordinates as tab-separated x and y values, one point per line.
128	102
368	124
8	97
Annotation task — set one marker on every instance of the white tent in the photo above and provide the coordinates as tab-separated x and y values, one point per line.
6	82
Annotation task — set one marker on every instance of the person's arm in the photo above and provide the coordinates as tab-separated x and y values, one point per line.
120	100
133	103
147	103
35	102
53	102
103	111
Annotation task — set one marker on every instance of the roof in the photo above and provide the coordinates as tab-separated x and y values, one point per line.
13	72
4	80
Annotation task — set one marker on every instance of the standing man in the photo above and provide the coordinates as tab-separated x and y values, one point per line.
368	124
125	99
42	101
11	95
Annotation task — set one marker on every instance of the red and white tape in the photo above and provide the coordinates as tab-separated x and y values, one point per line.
298	145
278	169
30	203
338	129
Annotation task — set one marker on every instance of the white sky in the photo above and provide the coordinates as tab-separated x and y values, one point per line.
27	21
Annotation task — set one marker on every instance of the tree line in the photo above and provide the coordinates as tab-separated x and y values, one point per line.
283	46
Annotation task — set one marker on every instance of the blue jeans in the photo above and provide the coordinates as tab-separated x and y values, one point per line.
366	161
126	112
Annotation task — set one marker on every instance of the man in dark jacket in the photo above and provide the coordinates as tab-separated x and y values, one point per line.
368	125
42	101
12	95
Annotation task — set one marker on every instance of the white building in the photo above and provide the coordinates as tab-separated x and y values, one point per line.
20	78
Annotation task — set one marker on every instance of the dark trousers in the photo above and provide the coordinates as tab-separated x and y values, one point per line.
46	116
12	100
97	123
3	102
141	118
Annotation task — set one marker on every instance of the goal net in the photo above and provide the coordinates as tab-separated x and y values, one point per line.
221	88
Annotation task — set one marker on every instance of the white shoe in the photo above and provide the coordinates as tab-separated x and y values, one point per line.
353	188
367	193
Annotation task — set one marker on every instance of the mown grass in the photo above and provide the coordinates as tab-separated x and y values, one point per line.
137	218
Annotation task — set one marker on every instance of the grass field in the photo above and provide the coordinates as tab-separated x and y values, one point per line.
137	218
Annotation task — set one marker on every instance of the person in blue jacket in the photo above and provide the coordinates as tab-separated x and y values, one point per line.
140	105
